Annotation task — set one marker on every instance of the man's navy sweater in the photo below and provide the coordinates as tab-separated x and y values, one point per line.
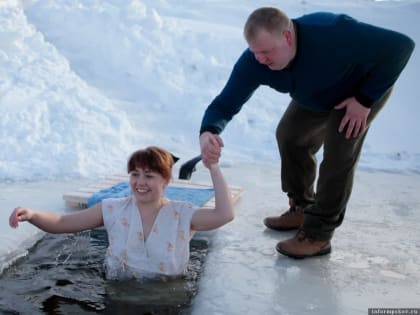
337	57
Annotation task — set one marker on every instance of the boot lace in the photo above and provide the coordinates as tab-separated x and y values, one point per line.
302	236
293	210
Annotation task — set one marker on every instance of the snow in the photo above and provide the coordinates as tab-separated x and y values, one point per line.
78	100
84	83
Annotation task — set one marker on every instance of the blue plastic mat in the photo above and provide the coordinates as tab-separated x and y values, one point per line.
197	196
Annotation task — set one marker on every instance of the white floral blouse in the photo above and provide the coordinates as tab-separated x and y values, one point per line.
166	250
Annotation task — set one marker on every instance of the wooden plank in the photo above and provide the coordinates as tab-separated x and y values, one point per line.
80	197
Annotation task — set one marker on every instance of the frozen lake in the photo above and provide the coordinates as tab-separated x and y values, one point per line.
374	263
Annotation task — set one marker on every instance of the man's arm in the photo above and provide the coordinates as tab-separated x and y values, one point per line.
237	91
385	52
242	83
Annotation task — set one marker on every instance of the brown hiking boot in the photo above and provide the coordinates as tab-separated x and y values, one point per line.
302	246
289	220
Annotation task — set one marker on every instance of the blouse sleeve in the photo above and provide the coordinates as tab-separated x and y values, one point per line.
111	208
186	211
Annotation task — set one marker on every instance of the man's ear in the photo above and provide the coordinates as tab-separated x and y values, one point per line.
289	36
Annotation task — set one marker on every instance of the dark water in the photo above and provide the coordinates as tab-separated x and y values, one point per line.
63	274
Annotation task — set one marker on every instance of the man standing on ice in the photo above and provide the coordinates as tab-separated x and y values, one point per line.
339	73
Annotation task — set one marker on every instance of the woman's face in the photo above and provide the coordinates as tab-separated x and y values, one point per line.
147	185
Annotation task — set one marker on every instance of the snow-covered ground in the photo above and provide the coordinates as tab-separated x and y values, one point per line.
84	83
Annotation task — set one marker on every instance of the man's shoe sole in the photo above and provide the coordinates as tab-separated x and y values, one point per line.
323	251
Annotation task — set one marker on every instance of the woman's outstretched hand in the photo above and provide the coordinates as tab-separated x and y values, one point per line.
19	214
